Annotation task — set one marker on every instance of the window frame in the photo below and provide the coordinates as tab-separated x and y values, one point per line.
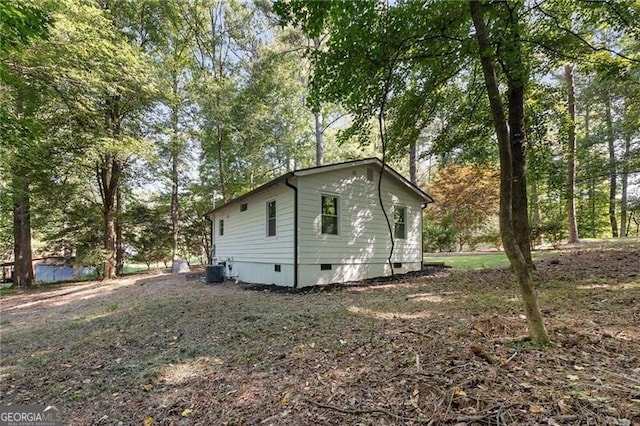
403	222
221	227
269	218
336	216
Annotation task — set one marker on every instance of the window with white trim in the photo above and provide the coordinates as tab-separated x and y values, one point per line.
400	220
271	218
329	213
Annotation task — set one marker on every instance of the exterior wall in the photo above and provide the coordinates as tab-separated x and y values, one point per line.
249	253
361	248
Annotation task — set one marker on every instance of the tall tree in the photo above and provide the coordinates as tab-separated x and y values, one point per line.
20	23
613	165
130	89
171	44
571	154
511	141
317	118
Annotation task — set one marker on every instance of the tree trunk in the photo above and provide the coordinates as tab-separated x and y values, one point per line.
537	331
119	238
613	172
317	115
175	215
206	243
571	155
223	185
592	179
319	138
22	253
625	184
517	140
592	197
536	213
412	162
175	150
109	178
109	175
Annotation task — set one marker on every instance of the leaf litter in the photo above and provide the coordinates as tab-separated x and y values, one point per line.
440	348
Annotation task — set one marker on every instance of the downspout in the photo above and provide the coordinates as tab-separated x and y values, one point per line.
295	232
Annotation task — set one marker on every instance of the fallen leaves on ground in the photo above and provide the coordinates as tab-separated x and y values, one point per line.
444	348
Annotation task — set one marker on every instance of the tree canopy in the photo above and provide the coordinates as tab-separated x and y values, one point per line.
118	115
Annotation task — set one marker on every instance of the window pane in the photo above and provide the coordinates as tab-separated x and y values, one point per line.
399	215
329	215
329	205
271	218
330	225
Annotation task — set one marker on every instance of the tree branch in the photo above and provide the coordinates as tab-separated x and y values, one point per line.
357	411
584	41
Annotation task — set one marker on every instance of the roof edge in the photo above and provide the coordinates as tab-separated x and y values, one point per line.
320	169
246	195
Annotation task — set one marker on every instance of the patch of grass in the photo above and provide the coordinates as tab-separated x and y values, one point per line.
111	307
480	260
460	328
6	290
472	261
132	268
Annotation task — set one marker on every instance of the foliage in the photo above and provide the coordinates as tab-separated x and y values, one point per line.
466	200
554	231
60	107
212	97
439	235
148	232
21	21
196	237
6	224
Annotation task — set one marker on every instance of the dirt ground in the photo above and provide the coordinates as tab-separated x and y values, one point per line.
444	348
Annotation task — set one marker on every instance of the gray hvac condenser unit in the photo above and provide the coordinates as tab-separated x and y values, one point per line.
214	274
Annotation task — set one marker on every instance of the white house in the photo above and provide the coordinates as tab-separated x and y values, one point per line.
322	225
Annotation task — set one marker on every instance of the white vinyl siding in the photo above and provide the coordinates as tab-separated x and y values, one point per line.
363	241
245	243
356	248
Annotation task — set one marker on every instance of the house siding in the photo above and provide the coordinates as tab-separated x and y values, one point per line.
250	255
361	248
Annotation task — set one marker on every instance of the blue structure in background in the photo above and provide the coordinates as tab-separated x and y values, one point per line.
53	272
49	269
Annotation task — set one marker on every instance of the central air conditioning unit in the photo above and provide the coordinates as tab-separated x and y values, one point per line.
214	274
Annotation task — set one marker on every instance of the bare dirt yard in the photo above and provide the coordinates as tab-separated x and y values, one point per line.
443	348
